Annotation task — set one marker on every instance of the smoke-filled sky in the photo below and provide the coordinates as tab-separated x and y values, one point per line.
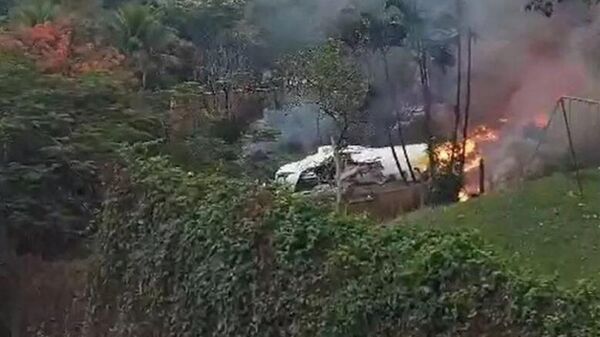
522	61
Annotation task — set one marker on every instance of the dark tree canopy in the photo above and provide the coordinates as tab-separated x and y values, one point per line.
547	7
56	133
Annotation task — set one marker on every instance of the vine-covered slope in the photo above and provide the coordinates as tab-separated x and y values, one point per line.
187	254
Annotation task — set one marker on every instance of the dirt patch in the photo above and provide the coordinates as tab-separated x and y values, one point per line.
51	296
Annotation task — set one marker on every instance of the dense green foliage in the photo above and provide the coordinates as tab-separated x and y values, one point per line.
56	133
191	254
547	7
139	34
326	77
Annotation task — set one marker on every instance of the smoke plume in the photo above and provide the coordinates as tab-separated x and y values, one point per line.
523	62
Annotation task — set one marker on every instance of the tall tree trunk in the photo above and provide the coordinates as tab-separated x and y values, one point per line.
318	120
394	95
215	96
337	160
457	107
403	143
421	58
468	99
398	165
427	105
226	96
369	66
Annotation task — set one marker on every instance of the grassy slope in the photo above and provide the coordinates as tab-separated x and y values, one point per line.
542	225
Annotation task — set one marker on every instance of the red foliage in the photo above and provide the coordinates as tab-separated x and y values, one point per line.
52	47
49	44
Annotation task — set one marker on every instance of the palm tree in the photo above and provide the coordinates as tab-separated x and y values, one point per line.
384	31
140	35
34	12
430	37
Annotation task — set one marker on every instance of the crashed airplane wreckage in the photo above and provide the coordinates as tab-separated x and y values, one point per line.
370	180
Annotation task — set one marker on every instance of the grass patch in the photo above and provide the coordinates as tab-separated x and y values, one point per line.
542	225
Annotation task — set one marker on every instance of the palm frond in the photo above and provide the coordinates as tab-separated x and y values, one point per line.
34	12
137	28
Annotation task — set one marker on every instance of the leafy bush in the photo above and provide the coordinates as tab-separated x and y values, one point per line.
187	254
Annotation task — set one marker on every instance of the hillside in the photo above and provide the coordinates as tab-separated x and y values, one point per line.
542	225
222	257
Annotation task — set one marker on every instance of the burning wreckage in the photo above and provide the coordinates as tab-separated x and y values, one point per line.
363	166
372	173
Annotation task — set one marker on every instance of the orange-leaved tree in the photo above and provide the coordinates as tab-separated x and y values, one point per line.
51	46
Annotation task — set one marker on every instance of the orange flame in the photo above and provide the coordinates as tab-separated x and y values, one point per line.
479	136
541	120
463	196
473	155
484	134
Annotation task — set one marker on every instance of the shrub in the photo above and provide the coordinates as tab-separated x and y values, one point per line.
189	254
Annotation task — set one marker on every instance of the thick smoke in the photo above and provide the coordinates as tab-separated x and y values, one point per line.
302	127
292	24
523	62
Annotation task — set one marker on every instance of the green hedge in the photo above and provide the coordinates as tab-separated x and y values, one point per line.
192	255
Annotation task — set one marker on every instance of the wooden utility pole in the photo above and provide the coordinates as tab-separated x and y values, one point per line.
457	106
428	103
468	100
481	176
